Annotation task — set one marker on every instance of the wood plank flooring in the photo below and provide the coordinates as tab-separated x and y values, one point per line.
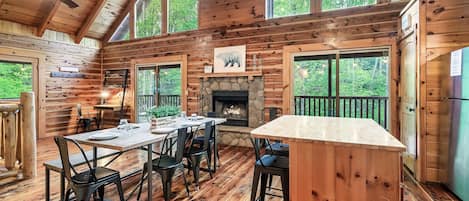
231	182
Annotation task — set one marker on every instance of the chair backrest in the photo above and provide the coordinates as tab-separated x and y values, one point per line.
256	143
79	112
65	157
209	133
181	143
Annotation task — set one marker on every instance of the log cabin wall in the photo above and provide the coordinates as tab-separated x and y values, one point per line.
265	39
444	28
57	97
230	12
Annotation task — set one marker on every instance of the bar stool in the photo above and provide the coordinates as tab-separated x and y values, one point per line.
267	166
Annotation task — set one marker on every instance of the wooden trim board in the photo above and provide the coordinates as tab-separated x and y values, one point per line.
180	59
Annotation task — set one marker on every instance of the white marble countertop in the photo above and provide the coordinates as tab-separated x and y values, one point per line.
347	131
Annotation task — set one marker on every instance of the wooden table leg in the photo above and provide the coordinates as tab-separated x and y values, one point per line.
149	168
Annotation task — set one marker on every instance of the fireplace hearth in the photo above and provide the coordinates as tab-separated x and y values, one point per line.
232	105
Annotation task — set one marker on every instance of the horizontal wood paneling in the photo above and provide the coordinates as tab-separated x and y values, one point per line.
216	13
60	95
445	29
265	39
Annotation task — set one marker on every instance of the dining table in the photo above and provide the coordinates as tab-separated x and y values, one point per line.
138	136
334	158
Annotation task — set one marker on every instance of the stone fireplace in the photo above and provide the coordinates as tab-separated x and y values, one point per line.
239	99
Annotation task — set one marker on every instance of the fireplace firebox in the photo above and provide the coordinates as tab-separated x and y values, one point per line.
232	105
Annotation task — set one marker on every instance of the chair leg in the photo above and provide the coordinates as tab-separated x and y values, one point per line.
67	195
185	182
141	182
209	165
196	170
263	185
47	184
255	184
101	193
271	178
119	189
285	187
166	177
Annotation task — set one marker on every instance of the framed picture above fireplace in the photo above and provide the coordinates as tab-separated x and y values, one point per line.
230	59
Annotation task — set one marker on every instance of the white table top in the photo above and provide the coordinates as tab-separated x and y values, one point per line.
350	131
136	138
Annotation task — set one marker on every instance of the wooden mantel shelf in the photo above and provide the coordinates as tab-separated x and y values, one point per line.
250	75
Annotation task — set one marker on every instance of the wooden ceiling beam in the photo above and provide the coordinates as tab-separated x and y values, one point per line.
85	27
118	21
48	18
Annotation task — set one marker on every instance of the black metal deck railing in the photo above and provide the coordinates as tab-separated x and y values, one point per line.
375	108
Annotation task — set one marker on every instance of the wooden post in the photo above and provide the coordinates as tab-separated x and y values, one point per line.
10	140
28	122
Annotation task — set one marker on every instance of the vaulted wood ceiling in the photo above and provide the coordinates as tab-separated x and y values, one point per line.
92	18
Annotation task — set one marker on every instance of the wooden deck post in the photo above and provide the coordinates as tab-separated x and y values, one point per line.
28	122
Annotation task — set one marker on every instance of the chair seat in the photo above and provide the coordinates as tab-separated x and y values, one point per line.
195	151
278	149
87	118
165	162
101	173
272	161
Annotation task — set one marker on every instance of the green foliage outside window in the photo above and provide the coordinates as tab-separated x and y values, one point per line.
282	8
341	4
358	77
182	15
14	79
148	21
170	81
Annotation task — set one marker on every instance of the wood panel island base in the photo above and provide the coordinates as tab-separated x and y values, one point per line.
338	159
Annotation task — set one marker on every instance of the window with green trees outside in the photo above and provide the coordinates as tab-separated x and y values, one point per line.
341	4
14	79
122	32
182	15
148	22
283	8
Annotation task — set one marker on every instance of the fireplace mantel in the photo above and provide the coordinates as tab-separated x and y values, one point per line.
249	74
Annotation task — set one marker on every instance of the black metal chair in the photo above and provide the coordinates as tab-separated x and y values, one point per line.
167	165
85	122
196	152
212	149
86	183
265	166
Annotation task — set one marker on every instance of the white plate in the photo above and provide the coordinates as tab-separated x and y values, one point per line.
196	118
103	136
191	123
163	130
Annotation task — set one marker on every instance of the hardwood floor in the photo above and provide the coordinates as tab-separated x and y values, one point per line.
231	182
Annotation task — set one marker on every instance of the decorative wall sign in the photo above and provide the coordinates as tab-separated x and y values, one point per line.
230	59
69	69
67	75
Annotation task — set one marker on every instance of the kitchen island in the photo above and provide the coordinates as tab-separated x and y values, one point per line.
341	159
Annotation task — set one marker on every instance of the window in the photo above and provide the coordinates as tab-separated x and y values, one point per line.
14	79
157	85
341	4
282	8
148	18
122	32
182	15
362	90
